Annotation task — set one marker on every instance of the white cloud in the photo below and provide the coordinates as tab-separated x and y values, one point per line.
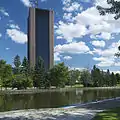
26	2
88	22
7	48
5	13
17	35
67	57
98	43
106	57
14	26
72	7
68	16
73	48
57	56
70	30
0	35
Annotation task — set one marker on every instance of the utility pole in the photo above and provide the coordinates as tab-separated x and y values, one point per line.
34	3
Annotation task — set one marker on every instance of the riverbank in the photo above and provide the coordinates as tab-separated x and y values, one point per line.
35	90
78	112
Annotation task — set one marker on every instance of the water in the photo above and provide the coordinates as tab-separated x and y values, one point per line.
54	99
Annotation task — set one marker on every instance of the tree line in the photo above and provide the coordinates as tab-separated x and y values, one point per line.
22	76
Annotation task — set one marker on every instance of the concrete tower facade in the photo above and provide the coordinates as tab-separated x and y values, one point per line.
41	36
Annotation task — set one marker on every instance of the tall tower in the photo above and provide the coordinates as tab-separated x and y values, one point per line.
41	36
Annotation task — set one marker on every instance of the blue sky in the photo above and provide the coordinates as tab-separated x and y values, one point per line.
82	37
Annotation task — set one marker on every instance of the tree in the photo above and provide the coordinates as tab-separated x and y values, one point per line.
59	75
17	64
114	9
74	77
39	73
107	78
113	80
7	76
95	76
86	78
118	78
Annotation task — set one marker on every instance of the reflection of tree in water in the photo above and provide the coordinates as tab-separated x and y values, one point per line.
54	99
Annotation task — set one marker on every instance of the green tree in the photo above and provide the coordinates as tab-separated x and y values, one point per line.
95	74
113	80
26	71
108	80
17	64
86	78
39	74
74	77
7	76
118	78
59	75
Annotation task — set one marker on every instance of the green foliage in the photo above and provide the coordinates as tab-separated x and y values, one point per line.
17	64
117	78
95	74
39	74
74	77
59	75
7	76
86	78
21	82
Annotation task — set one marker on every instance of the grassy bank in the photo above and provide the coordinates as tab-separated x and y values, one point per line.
35	90
112	114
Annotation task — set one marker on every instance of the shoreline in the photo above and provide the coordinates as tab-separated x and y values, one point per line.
35	90
81	112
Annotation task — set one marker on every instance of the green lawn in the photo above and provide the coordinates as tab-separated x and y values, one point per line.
113	114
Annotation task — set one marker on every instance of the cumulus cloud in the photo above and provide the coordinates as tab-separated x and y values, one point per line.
67	57
16	34
69	31
70	7
26	2
57	56
88	22
14	26
73	48
4	12
106	57
98	43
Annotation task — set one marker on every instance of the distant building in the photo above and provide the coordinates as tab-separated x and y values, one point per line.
41	36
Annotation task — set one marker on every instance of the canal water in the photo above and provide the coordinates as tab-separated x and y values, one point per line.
54	99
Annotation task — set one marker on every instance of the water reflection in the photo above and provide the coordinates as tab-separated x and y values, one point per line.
54	99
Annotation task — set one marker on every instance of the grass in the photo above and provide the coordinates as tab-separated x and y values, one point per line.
78	86
113	114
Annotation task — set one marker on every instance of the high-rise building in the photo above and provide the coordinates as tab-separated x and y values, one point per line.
41	36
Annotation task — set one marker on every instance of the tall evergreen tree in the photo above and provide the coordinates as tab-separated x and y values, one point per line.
39	74
17	64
